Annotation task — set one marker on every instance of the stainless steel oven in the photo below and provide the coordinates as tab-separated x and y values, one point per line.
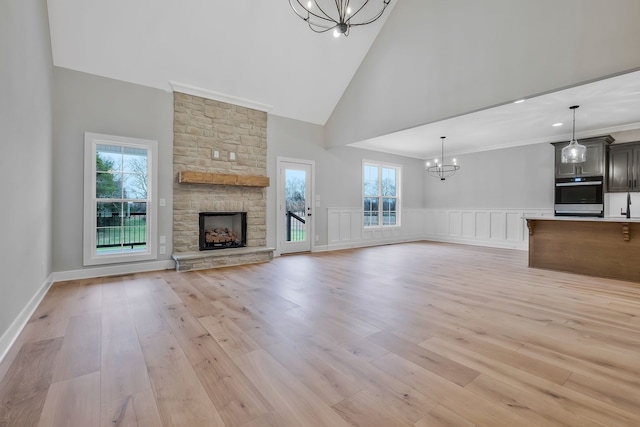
580	196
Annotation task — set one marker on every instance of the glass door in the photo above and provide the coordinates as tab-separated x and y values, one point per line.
295	208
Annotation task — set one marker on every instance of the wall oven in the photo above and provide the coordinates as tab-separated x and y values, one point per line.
579	196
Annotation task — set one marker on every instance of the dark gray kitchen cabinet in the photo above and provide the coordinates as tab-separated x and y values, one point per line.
624	167
595	165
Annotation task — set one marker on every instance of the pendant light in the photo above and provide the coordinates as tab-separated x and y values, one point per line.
440	170
574	152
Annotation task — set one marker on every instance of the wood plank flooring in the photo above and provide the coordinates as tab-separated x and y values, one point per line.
420	334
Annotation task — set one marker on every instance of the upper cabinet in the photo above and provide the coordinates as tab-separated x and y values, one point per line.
624	167
596	158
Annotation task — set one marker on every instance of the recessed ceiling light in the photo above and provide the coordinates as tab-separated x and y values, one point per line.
556	124
519	101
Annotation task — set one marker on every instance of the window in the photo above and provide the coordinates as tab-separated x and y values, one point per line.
381	194
119	203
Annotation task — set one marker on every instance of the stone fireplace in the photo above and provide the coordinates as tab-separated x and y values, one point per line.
219	164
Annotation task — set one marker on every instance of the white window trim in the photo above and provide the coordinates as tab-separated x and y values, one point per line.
381	165
90	256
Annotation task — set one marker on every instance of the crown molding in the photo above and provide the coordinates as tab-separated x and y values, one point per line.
216	96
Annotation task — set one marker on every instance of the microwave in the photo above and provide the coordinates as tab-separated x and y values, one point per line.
579	196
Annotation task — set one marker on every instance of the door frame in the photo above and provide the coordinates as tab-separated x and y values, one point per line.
280	221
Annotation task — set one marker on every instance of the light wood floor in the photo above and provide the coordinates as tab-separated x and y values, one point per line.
420	334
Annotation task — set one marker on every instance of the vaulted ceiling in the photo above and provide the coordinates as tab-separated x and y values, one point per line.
427	68
251	50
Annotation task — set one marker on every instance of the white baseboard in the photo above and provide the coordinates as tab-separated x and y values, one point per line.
11	334
522	246
113	270
371	242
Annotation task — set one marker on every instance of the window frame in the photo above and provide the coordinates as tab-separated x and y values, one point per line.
397	197
90	254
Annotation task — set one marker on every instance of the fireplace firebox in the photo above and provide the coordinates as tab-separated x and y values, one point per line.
223	230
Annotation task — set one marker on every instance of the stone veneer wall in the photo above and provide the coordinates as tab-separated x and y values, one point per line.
202	126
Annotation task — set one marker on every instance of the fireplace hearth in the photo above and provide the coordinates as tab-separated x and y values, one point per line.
223	230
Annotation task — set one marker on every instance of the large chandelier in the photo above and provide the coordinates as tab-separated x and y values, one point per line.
574	152
441	170
337	15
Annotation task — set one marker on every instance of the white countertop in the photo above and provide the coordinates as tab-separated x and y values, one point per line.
584	218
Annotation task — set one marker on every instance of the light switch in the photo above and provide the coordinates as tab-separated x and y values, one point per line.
163	202
163	240
216	154
232	156
163	250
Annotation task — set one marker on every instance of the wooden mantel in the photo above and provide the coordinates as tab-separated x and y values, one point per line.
193	177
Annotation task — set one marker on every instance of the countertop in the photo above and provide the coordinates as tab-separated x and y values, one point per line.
583	218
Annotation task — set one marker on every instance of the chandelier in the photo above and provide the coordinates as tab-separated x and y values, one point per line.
337	15
440	170
574	152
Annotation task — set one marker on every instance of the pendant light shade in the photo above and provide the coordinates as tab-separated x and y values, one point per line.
574	152
440	170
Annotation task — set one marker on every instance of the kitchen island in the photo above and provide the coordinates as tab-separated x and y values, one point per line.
602	247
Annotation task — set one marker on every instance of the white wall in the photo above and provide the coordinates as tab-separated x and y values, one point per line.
338	172
442	58
25	164
88	103
513	178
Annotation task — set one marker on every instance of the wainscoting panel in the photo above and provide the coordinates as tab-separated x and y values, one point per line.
345	229
483	225
345	226
455	223
501	228
412	223
442	223
468	224
497	225
514	227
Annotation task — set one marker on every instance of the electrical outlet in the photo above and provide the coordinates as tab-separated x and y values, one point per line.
232	156
163	240
163	250
216	154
